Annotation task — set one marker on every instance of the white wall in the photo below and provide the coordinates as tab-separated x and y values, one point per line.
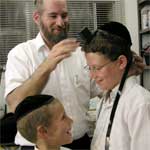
131	21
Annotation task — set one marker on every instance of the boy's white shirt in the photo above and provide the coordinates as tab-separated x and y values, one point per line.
61	148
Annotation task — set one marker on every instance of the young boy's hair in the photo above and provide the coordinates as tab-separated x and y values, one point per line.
32	112
112	40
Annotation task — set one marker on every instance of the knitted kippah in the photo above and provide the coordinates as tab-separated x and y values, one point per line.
31	103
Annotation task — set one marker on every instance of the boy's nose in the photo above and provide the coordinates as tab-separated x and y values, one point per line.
93	74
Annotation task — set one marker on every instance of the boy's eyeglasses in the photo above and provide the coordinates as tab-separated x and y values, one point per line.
96	68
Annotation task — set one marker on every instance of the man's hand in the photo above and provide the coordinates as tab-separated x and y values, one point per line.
60	51
137	65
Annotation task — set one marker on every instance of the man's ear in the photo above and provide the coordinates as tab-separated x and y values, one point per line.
122	60
36	17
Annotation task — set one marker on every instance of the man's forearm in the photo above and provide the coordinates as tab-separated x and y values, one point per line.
32	86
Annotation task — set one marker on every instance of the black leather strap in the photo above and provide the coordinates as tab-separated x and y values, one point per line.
27	148
117	98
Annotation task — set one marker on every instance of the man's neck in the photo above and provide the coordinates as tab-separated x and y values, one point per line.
48	43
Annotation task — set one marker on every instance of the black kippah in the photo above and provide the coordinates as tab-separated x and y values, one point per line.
31	103
118	29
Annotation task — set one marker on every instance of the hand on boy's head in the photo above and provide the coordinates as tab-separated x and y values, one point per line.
137	65
65	46
60	51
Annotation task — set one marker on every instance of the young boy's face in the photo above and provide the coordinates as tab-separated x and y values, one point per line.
105	72
59	131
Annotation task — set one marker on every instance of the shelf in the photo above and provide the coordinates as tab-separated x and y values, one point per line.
146	31
144	39
147	67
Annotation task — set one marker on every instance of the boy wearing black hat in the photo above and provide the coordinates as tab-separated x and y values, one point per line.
42	120
123	118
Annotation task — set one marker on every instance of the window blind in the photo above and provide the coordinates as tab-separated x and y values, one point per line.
16	24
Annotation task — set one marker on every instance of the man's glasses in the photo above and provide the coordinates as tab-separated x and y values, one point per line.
96	68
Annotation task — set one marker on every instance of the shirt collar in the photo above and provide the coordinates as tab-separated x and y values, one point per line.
130	81
111	94
39	42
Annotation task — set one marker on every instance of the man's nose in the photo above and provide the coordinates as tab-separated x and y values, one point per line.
60	21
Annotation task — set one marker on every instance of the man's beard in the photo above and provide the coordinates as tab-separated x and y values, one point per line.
52	37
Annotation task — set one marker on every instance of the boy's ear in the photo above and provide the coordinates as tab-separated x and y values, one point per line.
41	132
36	17
122	60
